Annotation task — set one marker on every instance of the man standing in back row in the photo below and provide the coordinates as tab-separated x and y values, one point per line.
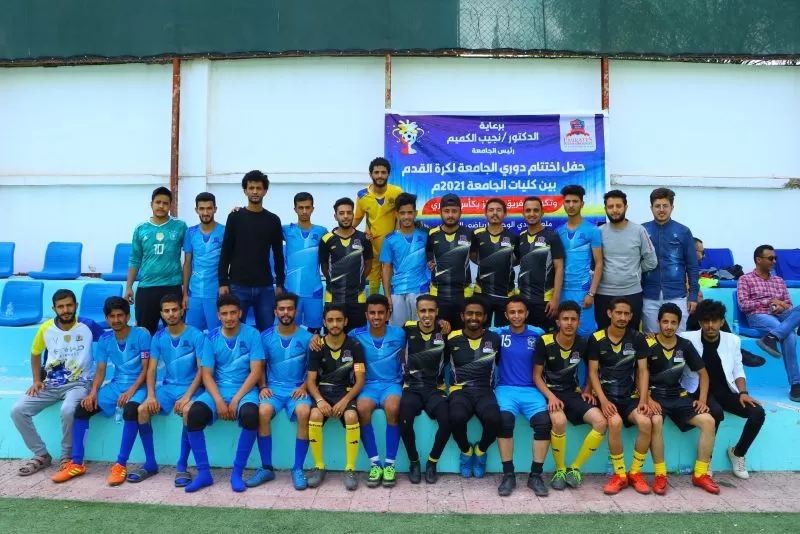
244	266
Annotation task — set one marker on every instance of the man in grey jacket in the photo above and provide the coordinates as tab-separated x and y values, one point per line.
627	253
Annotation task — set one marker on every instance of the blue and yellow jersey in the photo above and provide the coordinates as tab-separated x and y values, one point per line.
68	352
560	364
179	354
452	277
496	256
127	356
382	356
343	261
424	366
286	357
205	250
472	361
302	260
230	357
617	361
406	253
156	253
537	275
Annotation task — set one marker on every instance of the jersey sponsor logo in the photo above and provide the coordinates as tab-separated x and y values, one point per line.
487	347
79	338
575	357
627	350
531	342
462	240
438	339
347	356
505	242
678	356
357	244
540	242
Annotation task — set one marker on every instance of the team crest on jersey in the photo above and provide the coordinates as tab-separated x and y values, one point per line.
216	240
505	242
243	347
173	235
185	343
357	244
627	350
531	342
79	338
575	357
67	339
462	240
438	339
314	236
159	236
487	347
347	356
540	242
678	356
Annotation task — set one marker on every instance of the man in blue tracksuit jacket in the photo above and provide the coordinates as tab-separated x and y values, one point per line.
677	263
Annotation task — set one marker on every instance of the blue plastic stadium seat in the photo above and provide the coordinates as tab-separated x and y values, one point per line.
788	266
7	259
741	318
119	271
717	257
92	300
21	304
62	261
727	283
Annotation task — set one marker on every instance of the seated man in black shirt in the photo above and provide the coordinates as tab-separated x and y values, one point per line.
668	359
722	357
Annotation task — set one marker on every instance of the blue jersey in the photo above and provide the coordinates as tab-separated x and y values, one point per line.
128	356
516	356
302	260
179	354
286	357
406	253
230	357
382	356
205	250
578	245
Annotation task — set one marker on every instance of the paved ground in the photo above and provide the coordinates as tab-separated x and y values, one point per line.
764	492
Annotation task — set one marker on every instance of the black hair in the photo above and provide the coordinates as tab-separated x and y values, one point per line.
383	162
161	191
255	176
170	297
662	192
474	299
205	197
516	298
619	300
576	190
428	297
334	307
697	240
568	305
496	200
344	201
228	299
302	197
405	199
670	307
710	309
616	193
533	199
378	299
760	249
286	295
116	303
63	294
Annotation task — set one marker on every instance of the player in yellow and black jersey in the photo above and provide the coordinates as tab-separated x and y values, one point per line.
345	257
495	249
555	373
667	362
423	387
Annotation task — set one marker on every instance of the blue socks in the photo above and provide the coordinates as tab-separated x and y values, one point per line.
146	433
183	459
300	451
129	431
392	443
370	446
198	443
246	440
79	429
265	450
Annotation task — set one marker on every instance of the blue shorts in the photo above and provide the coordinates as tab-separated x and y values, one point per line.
227	394
527	401
587	325
202	313
282	399
309	312
168	394
379	391
108	396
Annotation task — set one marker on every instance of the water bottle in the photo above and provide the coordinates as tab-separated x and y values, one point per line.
683	470
609	468
735	327
10	309
118	415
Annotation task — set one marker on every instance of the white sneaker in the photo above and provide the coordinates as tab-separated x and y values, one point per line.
739	470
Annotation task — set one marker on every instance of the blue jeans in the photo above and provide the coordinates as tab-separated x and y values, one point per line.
765	323
261	299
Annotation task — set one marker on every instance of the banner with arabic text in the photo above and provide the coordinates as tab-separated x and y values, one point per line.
478	157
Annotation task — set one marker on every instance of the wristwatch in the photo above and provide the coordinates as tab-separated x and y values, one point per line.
591	294
744	392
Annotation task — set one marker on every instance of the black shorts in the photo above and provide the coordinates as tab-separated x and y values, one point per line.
450	310
148	305
428	399
714	407
478	401
574	406
679	409
333	396
356	315
496	311
538	318
625	407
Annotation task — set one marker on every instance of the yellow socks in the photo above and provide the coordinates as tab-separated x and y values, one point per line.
315	440
478	451
558	443
618	461
351	436
590	444
700	468
432	459
660	469
638	462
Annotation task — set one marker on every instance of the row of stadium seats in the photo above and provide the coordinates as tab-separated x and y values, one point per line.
21	304
62	261
787	266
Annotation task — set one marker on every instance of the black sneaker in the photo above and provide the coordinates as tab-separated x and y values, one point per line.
431	476
507	485
752	360
794	393
538	486
414	472
769	344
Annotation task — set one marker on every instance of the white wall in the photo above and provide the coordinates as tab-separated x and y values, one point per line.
82	147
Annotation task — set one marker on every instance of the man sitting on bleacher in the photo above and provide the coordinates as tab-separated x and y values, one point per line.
65	375
765	299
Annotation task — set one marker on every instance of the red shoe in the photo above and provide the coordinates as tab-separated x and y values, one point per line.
660	485
615	484
706	482
639	483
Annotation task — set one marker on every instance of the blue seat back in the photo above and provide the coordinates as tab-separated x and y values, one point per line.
63	257
7	259
22	298
788	264
122	255
739	316
92	299
717	257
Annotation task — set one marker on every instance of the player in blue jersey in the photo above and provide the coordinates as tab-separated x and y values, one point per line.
517	394
302	262
128	350
232	365
404	265
383	346
283	387
202	247
583	244
180	347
